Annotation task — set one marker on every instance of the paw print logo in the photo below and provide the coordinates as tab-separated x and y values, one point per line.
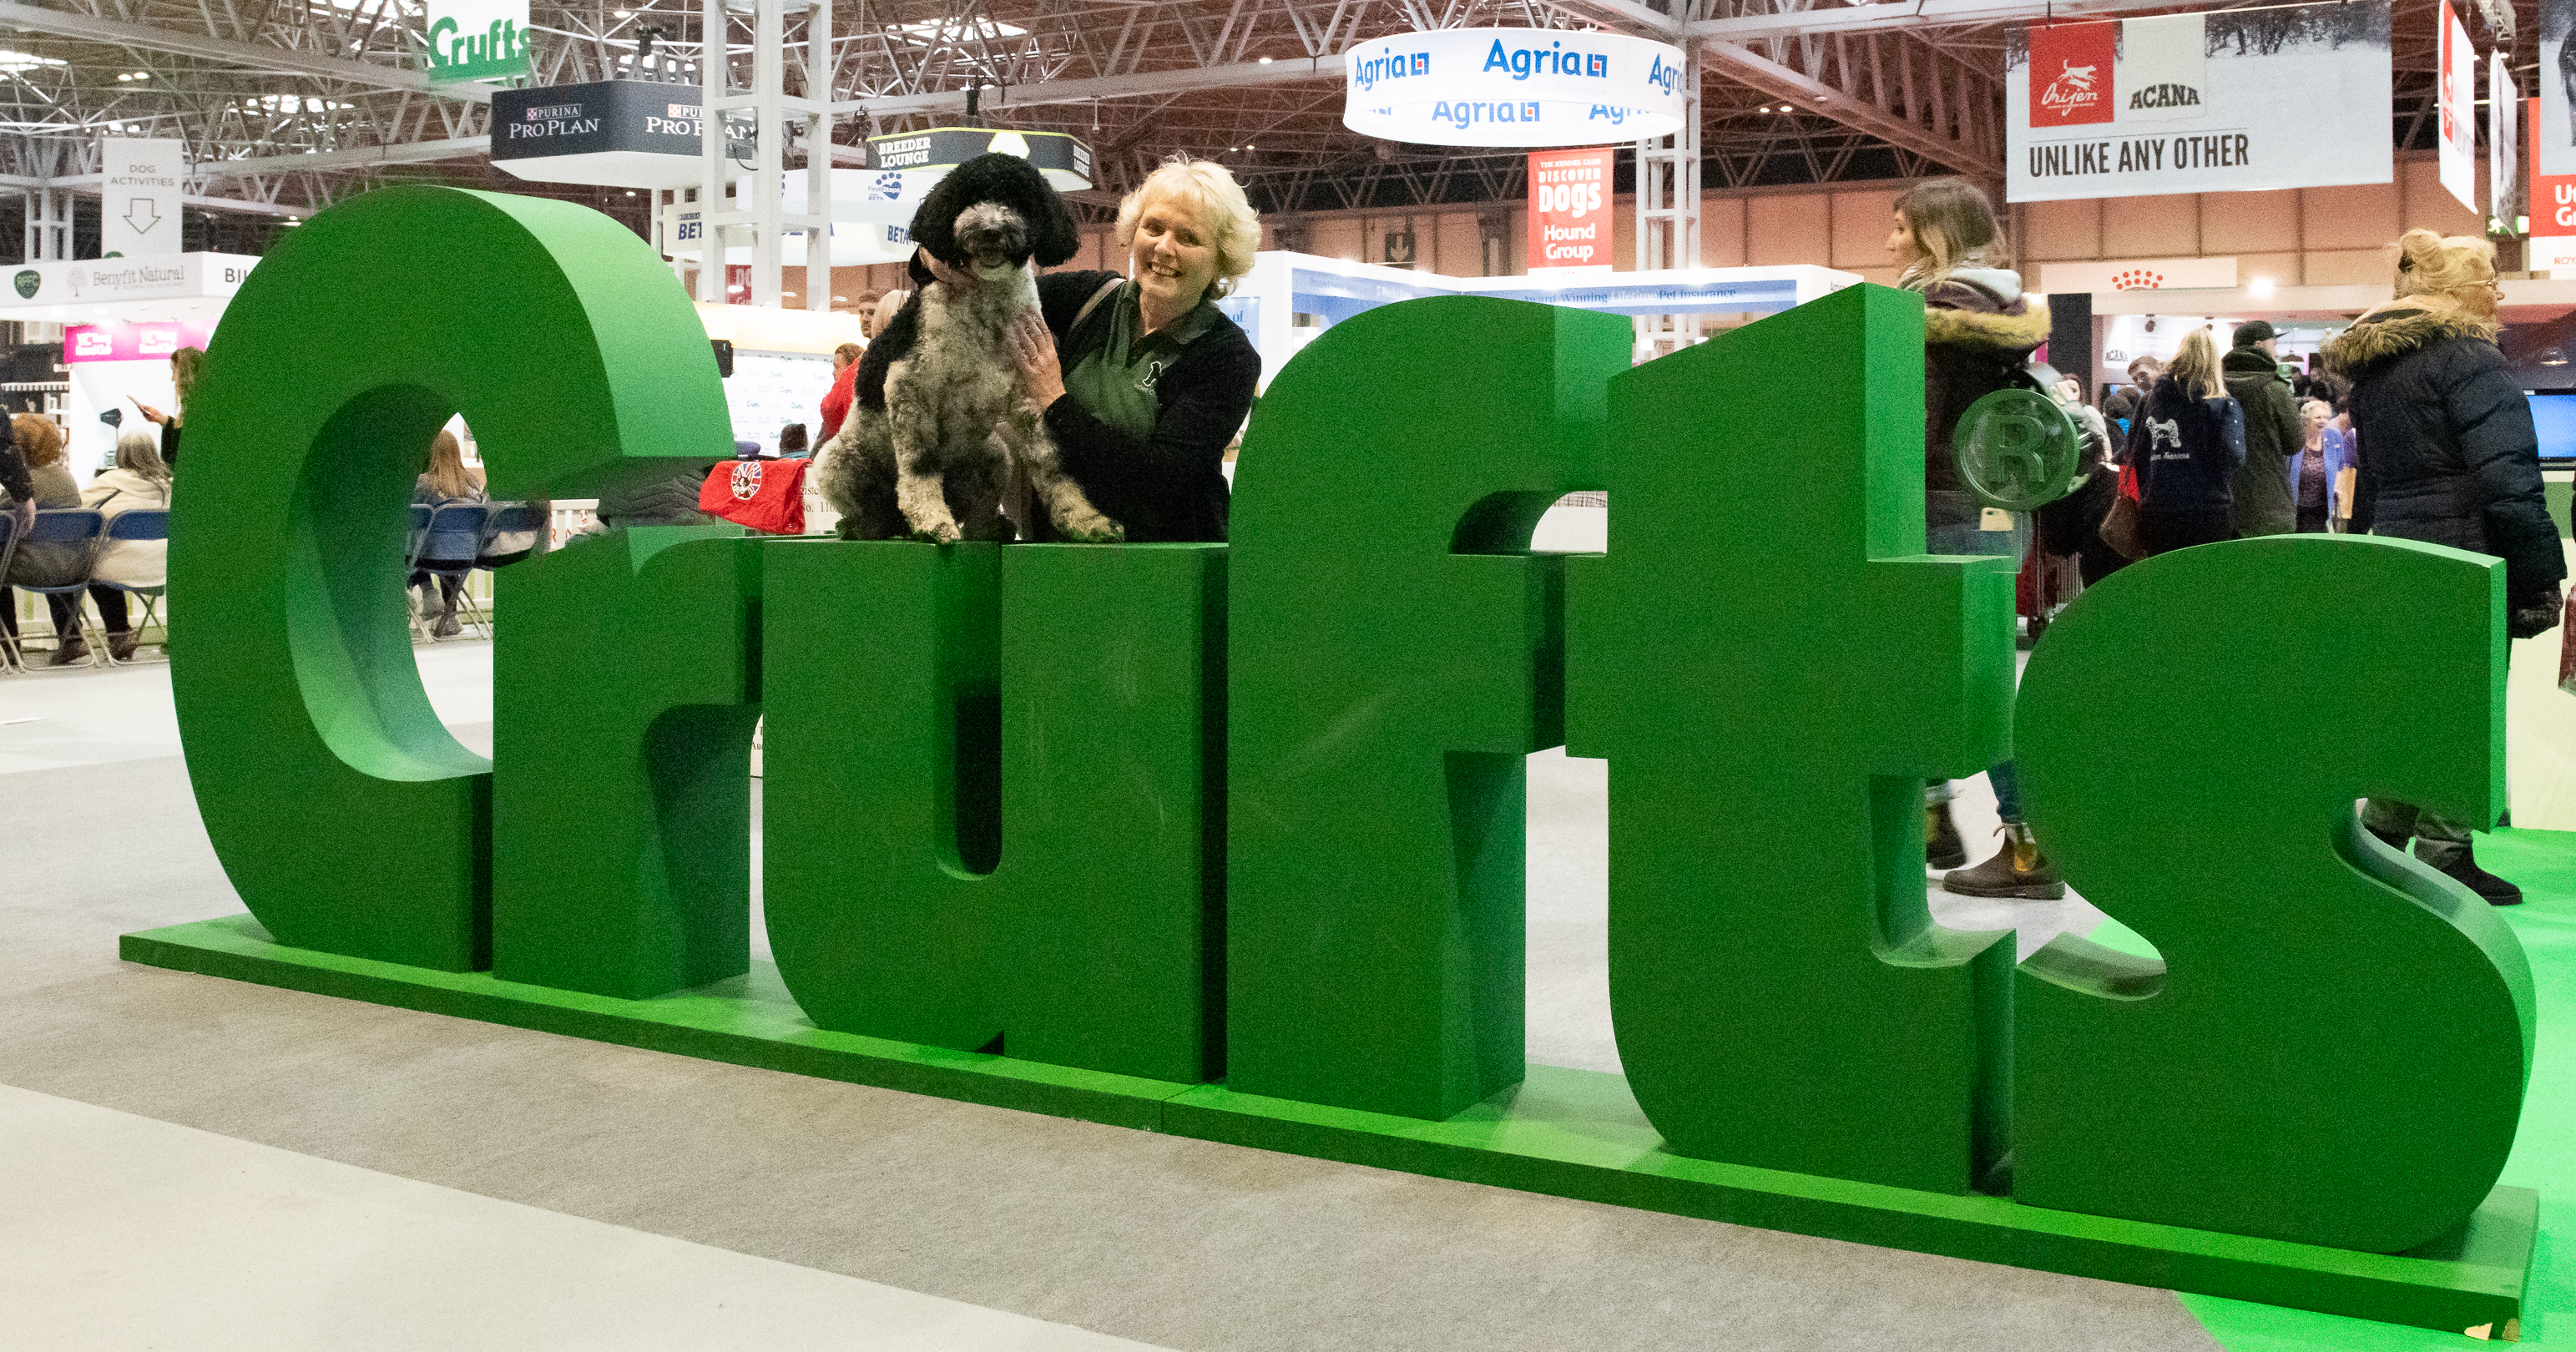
2137	279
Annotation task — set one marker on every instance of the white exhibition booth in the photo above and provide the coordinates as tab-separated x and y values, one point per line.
122	319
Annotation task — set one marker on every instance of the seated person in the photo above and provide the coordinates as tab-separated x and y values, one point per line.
139	481
1143	381
446	480
40	443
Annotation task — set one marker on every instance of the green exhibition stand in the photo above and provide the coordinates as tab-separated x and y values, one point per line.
1227	841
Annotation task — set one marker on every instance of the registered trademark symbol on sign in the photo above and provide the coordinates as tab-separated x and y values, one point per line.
2016	448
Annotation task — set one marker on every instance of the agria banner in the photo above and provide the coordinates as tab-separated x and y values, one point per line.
2222	102
1513	87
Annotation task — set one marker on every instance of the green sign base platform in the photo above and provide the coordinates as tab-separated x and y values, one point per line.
1568	1133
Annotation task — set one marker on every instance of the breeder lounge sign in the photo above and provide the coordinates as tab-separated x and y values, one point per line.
1226	840
2217	102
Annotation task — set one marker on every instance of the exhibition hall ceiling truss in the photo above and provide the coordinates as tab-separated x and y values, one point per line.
290	103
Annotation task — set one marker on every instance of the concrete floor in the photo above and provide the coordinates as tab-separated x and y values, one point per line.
198	1163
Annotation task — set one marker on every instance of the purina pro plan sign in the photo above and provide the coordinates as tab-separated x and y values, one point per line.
2217	102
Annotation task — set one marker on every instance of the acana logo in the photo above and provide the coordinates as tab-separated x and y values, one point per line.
2165	96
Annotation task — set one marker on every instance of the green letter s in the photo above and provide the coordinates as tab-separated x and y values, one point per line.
2337	1053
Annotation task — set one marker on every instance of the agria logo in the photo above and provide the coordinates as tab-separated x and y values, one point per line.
1661	76
1523	62
1391	66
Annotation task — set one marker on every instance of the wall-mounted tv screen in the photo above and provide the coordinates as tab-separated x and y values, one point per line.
2554	415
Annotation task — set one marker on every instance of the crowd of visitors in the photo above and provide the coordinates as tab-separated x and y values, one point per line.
2409	424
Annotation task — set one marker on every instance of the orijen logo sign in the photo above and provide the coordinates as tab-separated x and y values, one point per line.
2070	73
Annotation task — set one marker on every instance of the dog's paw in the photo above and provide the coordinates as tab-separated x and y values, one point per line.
1094	530
945	533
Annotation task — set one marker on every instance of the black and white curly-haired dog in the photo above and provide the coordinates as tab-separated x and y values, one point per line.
932	462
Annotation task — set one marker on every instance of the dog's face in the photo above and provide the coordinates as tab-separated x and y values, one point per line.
994	238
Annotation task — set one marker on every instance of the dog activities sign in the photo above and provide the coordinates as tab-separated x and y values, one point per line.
1226	840
2216	102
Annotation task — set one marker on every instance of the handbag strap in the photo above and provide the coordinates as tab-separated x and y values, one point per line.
1107	289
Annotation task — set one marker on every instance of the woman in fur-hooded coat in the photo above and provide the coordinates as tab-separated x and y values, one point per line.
1979	330
2449	454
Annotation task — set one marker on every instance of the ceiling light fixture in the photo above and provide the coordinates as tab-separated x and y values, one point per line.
1262	62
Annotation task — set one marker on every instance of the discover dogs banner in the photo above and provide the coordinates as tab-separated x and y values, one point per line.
2221	102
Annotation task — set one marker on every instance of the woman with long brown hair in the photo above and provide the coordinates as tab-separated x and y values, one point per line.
1979	330
446	480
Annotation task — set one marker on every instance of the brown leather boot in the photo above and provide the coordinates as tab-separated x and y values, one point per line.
2017	871
1942	847
120	645
71	651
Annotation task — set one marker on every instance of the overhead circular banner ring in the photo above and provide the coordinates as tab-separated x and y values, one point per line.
1512	87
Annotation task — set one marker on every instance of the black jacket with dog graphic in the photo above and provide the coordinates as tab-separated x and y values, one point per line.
1168	488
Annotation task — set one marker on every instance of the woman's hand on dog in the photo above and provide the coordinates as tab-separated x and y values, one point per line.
1032	350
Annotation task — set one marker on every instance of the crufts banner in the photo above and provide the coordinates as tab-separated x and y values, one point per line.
1569	209
478	39
2222	102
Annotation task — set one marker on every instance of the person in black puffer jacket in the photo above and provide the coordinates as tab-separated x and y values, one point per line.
2449	457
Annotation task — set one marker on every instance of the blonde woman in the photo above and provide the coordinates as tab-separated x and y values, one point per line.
139	480
1143	381
183	380
2189	440
2448	456
446	479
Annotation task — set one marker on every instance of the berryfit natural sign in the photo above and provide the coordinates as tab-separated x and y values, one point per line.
1569	212
2196	103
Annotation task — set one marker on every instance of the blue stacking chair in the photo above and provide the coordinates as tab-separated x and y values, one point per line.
412	544
9	659
454	518
84	529
507	518
141	523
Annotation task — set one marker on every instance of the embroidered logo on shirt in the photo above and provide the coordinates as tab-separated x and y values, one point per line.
1153	372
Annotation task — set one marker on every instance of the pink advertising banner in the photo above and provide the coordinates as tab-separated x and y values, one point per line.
131	342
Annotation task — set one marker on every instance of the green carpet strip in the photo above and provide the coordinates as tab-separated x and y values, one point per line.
1567	1133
